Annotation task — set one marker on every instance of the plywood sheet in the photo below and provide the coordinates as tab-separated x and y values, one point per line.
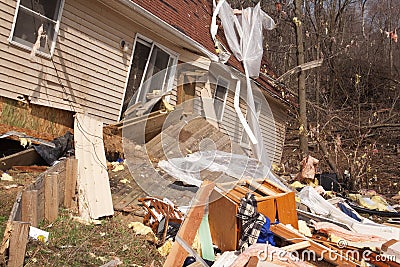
93	183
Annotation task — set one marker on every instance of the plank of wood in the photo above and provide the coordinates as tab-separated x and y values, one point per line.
23	158
190	225
70	182
5	243
30	207
223	221
286	209
33	168
94	194
261	188
328	254
18	241
51	197
297	246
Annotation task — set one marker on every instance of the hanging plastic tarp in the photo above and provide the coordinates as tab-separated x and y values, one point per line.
235	166
244	33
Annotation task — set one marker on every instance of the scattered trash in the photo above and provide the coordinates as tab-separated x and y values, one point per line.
308	169
165	248
6	177
7	187
62	145
117	166
141	229
113	263
38	234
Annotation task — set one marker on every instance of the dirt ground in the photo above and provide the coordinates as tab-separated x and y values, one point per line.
9	191
72	243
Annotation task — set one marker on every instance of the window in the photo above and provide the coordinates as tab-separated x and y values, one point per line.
245	141
221	92
33	17
152	69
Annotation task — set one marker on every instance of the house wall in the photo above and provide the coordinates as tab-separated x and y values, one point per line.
272	118
88	70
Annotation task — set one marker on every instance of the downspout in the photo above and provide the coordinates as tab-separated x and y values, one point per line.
169	28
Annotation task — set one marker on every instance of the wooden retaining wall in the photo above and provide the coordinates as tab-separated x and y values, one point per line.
39	201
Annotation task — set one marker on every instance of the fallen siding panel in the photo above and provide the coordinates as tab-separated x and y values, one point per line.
94	191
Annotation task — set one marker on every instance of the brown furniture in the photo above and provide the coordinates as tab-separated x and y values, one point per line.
272	201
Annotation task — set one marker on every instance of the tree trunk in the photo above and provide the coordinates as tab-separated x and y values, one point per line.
301	82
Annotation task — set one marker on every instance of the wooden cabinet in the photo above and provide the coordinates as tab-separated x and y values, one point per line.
272	201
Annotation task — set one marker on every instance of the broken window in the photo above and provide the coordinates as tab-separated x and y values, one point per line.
151	72
33	18
221	92
245	141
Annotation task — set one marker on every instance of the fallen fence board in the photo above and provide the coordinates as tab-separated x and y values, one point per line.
18	241
190	225
24	158
51	197
71	174
328	254
94	191
30	207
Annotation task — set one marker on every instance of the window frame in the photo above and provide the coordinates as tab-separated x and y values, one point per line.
147	41
56	29
227	82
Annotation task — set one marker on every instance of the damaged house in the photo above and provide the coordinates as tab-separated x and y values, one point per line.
92	57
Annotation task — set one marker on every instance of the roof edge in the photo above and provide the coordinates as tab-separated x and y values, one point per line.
169	28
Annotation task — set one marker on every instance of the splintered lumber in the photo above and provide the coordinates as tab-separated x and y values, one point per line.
327	253
94	193
51	197
30	203
190	225
23	158
18	241
70	182
297	246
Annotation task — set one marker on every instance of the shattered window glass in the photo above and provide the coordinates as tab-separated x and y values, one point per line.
36	23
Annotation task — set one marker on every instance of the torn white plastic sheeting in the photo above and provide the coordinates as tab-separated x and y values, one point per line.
93	183
244	33
38	234
318	205
188	169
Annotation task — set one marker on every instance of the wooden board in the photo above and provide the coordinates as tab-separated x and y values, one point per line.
286	207
190	225
223	222
328	254
18	241
51	197
94	192
70	182
29	207
23	158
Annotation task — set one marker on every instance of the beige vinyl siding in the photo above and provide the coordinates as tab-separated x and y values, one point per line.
89	63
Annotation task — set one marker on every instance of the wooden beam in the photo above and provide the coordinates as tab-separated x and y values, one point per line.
190	225
297	246
51	197
70	182
23	158
328	254
30	206
18	241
